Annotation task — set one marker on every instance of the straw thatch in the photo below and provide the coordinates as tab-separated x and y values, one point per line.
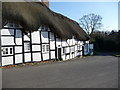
31	15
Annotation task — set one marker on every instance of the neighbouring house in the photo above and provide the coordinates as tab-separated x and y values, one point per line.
31	32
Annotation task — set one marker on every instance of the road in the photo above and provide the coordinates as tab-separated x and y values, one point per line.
89	72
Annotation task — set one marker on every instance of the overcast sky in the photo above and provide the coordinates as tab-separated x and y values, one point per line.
75	10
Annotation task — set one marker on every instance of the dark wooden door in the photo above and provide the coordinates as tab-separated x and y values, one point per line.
83	50
59	54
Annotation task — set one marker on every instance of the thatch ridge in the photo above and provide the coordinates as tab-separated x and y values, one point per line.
31	15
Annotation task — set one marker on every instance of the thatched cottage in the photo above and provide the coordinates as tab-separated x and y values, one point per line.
31	32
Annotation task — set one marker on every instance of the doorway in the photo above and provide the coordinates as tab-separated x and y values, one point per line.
59	54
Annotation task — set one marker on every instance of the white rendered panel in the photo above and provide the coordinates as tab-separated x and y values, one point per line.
27	57
36	37
7	40
18	58
7	61
36	56
36	48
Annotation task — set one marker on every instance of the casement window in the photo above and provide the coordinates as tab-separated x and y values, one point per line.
7	51
43	27
13	25
10	25
16	25
4	51
45	48
27	45
78	47
86	47
72	48
11	50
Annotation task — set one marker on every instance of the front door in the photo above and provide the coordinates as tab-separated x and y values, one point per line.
59	54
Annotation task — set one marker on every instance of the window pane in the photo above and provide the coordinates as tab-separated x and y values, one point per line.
16	25
10	24
43	48
10	50
6	50
27	45
47	47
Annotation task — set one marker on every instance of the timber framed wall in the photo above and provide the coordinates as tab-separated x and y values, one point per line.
0	32
0	51
14	46
17	47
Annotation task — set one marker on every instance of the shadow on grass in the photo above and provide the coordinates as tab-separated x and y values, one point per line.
116	54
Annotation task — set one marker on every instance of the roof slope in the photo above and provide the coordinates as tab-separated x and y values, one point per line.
31	15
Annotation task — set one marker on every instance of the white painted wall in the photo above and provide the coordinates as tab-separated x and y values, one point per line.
36	56
36	37
37	48
18	58
7	61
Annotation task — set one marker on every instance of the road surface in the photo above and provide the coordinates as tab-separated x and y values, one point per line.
89	72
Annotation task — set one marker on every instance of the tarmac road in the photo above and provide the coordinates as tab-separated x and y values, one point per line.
90	72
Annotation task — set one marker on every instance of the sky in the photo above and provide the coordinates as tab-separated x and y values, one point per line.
75	10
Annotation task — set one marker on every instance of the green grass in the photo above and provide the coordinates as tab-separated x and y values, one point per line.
117	55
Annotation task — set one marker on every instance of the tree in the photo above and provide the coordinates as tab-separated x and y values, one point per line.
90	23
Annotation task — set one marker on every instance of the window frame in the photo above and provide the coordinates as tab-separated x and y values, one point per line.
11	50
27	45
45	48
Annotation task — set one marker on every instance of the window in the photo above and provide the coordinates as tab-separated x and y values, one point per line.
78	47
72	48
86	48
16	25
27	46
11	51
11	25
5	50
45	48
43	27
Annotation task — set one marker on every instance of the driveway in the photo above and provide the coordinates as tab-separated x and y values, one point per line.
90	72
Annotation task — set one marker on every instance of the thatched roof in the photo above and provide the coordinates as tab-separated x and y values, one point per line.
31	15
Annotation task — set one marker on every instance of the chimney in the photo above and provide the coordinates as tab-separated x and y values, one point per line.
46	2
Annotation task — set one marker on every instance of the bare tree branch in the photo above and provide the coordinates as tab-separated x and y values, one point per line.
90	22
